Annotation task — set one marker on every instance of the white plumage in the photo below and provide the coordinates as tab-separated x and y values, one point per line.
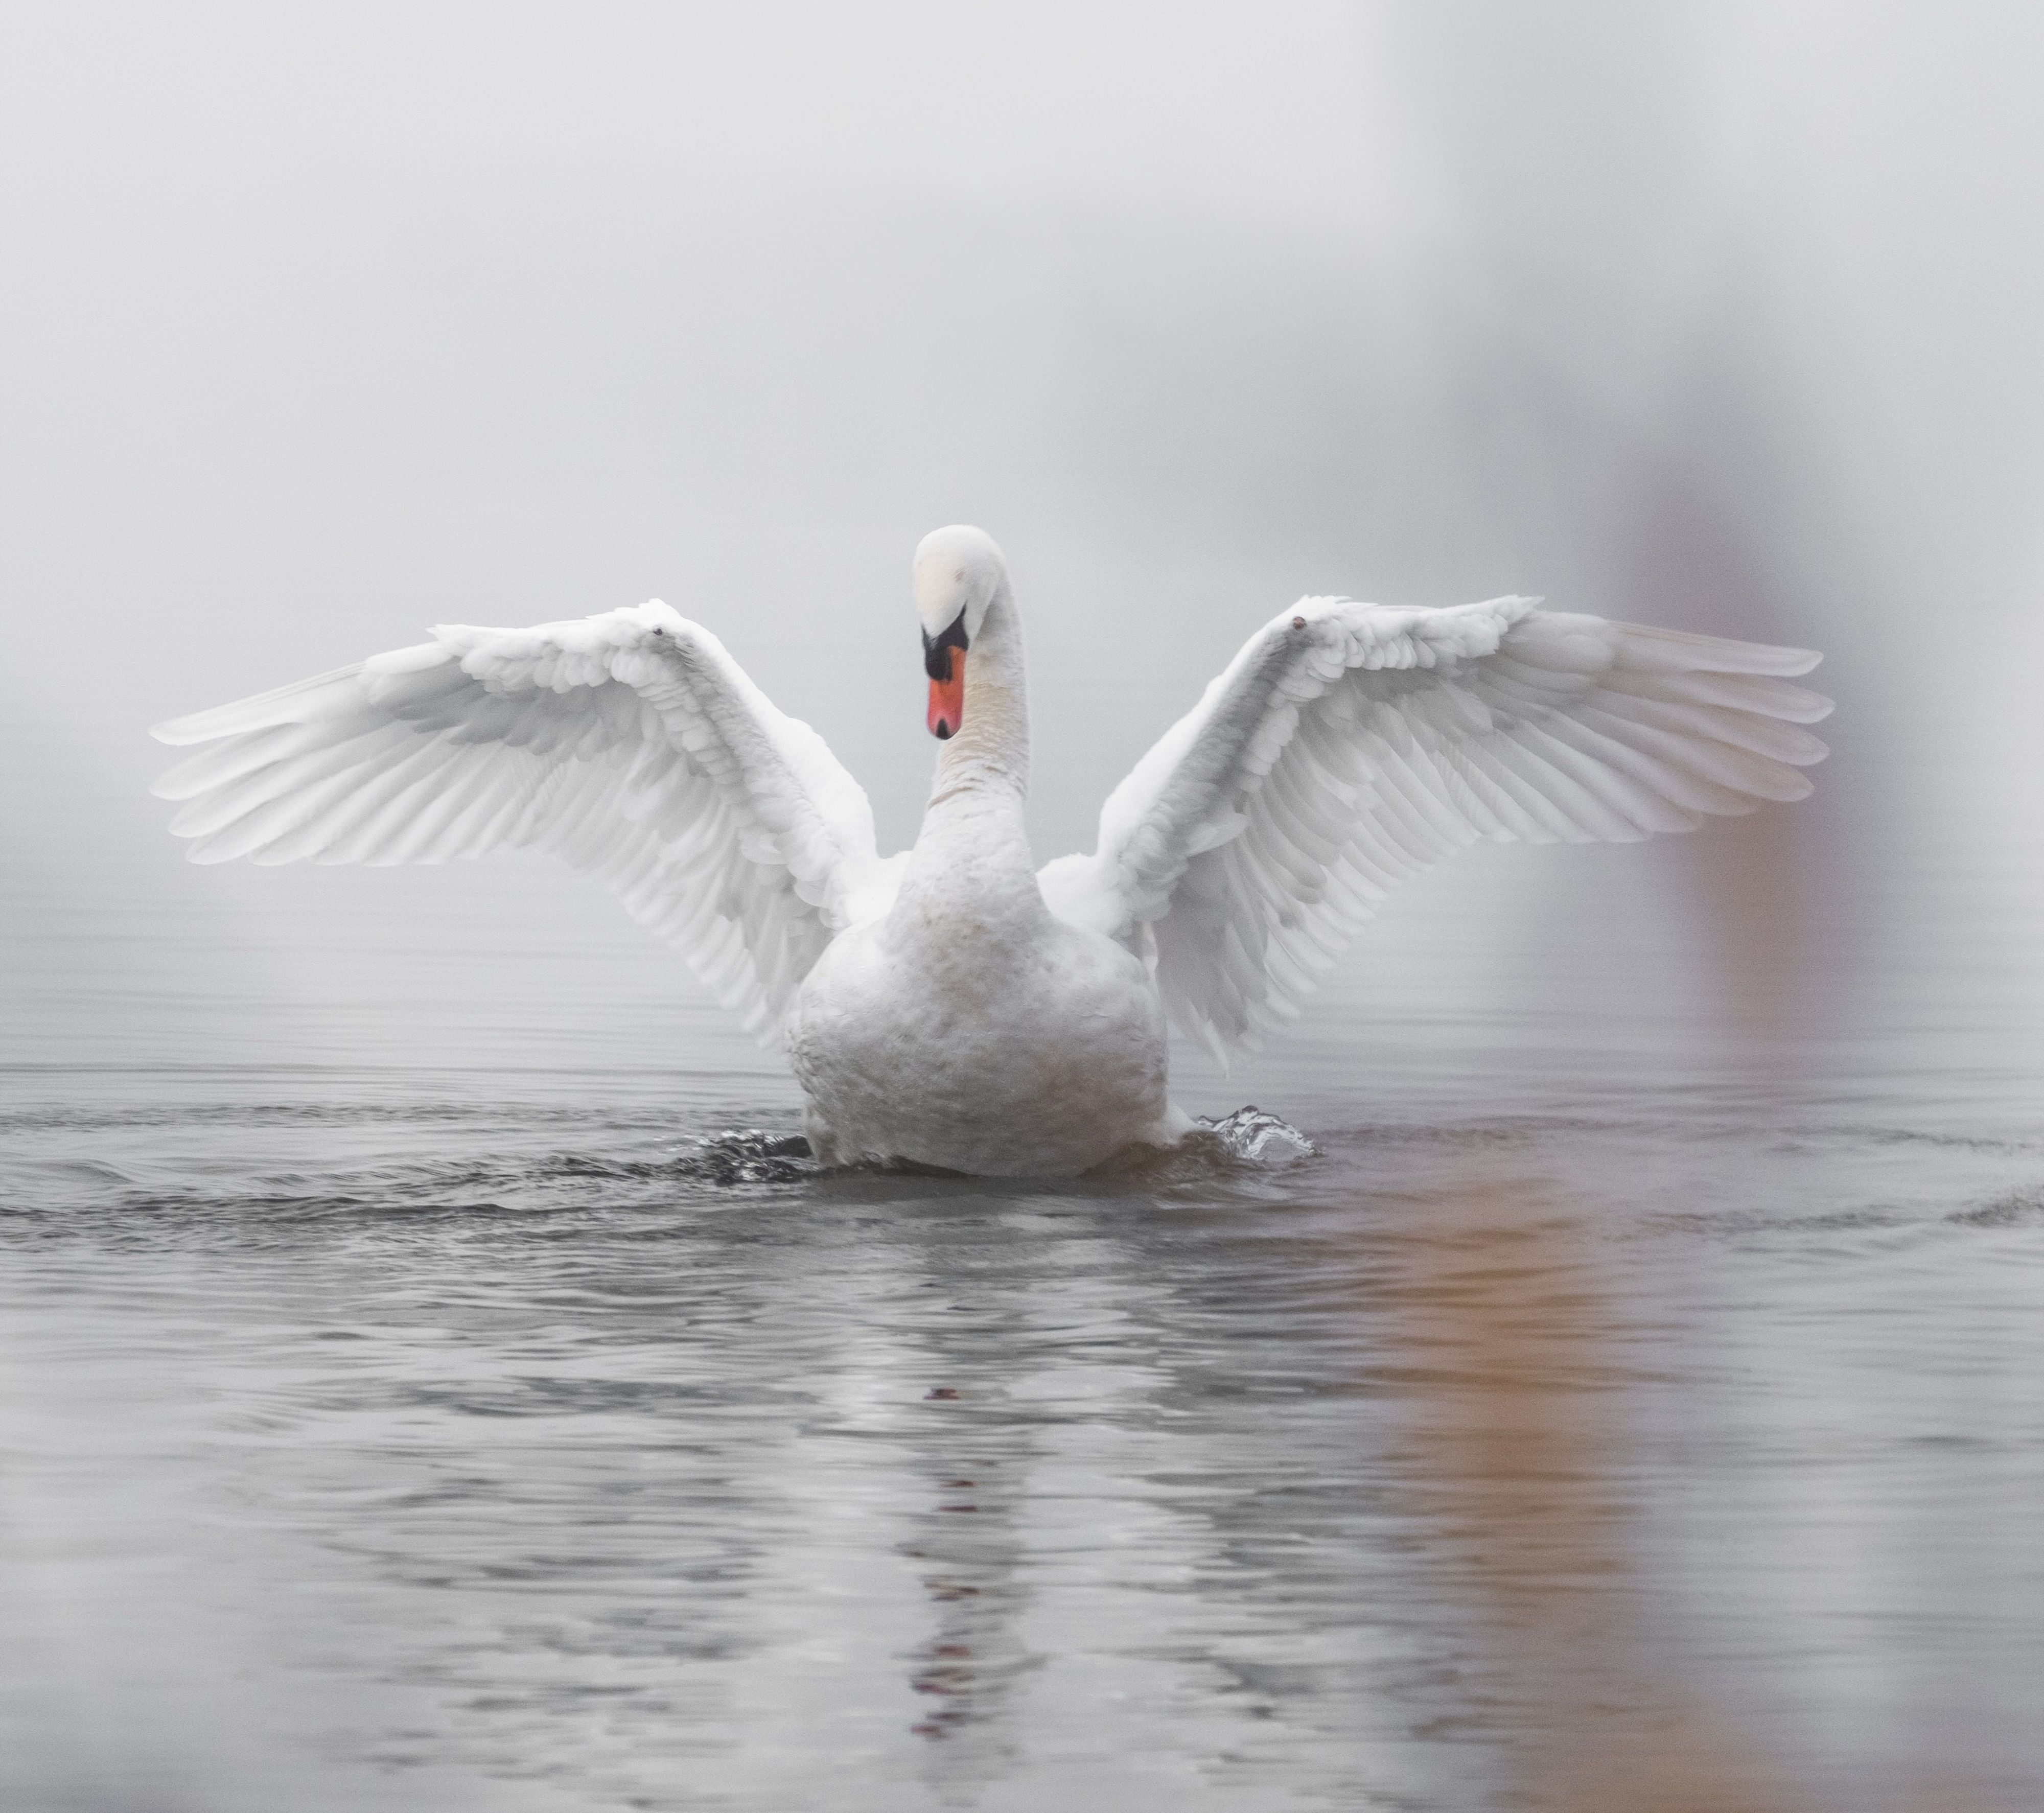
1348	746
629	744
970	1013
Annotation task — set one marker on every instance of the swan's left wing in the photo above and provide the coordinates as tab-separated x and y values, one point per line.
1349	745
629	744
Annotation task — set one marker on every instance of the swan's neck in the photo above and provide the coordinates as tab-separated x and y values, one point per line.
973	840
990	754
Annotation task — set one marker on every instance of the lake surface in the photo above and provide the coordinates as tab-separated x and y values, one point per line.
1633	1403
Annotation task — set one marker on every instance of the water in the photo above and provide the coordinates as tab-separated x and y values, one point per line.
1617	1408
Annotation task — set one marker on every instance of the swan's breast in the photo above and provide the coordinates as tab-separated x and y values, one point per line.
980	1051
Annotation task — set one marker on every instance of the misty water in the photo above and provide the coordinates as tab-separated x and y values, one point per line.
410	1400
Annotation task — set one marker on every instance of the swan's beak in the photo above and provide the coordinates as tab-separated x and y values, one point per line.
948	693
943	660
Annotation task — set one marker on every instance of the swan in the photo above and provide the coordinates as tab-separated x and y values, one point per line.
956	1006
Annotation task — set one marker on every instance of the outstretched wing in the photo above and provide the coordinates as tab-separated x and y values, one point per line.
1350	745
629	744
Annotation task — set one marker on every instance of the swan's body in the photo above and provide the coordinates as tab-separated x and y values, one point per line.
969	1026
956	1006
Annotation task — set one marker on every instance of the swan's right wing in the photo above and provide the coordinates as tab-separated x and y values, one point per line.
1350	745
629	744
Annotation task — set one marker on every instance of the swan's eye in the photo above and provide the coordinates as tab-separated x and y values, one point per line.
936	649
1298	622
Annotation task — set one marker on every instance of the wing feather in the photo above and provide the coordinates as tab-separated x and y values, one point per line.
1348	746
629	744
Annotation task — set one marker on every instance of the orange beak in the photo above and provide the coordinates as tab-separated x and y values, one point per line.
948	698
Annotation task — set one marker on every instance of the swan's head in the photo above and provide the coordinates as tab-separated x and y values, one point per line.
959	570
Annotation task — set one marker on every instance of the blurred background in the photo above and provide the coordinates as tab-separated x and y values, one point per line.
319	324
323	327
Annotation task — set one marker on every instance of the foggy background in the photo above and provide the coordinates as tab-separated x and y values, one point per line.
323	325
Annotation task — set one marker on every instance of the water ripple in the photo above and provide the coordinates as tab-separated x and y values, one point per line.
606	1454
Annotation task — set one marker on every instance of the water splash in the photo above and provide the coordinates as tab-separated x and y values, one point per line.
1261	1138
752	1155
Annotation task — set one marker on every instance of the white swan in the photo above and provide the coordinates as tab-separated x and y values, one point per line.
953	1006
